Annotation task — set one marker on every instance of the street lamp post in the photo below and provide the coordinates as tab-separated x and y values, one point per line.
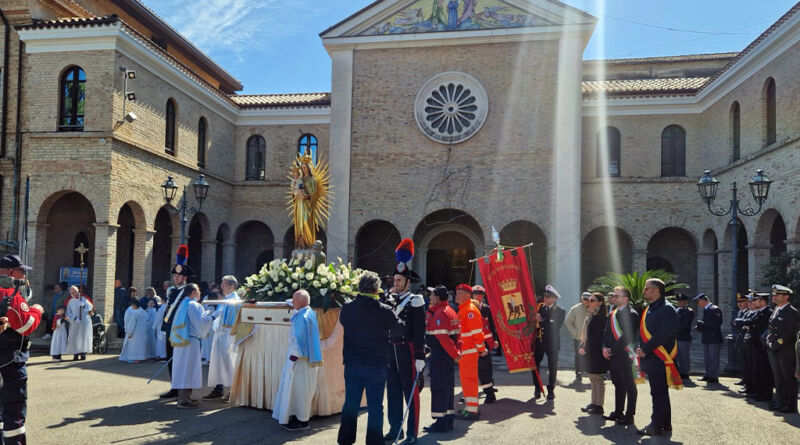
759	188
200	186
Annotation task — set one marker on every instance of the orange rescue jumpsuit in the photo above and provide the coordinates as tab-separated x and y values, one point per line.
471	325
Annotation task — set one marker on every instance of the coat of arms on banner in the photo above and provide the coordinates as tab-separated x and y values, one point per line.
513	303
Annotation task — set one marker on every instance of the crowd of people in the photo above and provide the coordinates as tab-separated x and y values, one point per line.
391	335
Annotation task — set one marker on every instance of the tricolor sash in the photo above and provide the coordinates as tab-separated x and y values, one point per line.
616	330
673	376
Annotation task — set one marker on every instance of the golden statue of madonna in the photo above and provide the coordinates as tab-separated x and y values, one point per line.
309	199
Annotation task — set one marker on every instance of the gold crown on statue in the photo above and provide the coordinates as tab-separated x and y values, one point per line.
306	158
509	284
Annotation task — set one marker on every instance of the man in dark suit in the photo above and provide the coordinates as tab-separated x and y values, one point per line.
546	340
657	350
711	337
781	338
619	341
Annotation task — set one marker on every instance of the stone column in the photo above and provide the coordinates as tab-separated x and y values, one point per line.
340	134
705	273
420	262
639	260
37	248
277	250
209	257
105	259
229	259
142	258
567	154
725	290
757	259
793	245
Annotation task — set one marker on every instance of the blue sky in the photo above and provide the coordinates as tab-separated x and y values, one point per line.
273	46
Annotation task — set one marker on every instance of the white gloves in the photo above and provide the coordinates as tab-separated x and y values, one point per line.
420	365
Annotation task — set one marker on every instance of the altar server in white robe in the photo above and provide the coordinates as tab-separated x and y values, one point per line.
190	324
299	378
134	348
223	347
160	339
58	343
151	318
79	338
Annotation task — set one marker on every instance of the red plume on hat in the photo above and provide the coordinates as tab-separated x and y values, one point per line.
404	251
182	255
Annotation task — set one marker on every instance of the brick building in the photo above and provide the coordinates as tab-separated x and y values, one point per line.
440	124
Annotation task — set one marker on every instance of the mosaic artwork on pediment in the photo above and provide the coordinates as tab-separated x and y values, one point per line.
455	15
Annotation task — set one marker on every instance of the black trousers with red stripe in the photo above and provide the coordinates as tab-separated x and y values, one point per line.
399	381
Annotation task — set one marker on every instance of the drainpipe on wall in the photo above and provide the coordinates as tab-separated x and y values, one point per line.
6	52
18	150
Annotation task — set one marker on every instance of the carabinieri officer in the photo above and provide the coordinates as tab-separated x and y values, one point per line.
407	356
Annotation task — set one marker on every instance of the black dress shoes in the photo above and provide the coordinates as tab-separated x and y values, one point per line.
650	430
625	420
171	394
390	436
596	410
614	415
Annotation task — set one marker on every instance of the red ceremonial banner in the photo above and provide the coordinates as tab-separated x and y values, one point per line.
512	299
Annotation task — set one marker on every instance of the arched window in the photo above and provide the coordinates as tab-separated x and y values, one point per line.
73	99
308	142
169	139
256	156
673	151
736	131
201	143
770	111
608	154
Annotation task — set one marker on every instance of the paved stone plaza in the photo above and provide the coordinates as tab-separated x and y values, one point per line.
103	400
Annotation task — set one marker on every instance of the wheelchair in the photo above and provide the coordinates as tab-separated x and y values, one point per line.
99	338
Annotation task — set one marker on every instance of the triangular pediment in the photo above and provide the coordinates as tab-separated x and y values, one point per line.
393	17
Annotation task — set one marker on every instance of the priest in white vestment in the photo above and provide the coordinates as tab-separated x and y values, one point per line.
79	338
223	348
299	377
190	324
134	348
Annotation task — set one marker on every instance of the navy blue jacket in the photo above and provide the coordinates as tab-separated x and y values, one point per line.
662	323
367	324
710	326
685	319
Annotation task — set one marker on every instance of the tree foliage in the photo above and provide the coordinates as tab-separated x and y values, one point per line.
634	282
784	270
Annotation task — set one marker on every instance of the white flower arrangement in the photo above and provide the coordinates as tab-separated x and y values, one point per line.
277	279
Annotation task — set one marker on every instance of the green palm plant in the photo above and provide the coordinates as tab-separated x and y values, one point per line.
634	282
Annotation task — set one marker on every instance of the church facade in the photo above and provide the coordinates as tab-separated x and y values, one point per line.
445	119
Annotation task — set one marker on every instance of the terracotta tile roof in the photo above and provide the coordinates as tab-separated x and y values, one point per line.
71	22
282	100
665	59
783	19
643	87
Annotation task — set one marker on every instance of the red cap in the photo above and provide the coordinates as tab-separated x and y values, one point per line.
465	287
478	288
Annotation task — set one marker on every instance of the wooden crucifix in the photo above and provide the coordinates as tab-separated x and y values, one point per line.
81	249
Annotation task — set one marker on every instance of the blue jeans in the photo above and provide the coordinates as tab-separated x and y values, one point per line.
358	379
711	359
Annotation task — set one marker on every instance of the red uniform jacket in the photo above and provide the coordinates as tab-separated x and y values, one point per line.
21	318
442	331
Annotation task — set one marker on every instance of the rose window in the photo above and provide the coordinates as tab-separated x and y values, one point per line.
451	107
